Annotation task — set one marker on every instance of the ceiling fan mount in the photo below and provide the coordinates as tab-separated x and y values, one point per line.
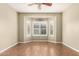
40	4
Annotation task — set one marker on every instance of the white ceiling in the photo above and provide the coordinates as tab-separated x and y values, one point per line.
24	8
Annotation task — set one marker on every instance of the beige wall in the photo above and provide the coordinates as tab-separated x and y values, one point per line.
8	26
59	24
71	26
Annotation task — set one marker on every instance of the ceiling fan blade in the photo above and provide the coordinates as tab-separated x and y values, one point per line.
48	4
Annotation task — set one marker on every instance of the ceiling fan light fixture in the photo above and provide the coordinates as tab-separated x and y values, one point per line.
40	4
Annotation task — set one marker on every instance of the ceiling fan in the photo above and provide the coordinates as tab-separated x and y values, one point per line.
40	4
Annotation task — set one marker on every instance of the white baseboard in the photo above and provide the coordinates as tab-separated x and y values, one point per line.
70	47
25	42
54	42
58	42
40	41
8	47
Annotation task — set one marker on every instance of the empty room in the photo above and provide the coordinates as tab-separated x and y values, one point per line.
39	29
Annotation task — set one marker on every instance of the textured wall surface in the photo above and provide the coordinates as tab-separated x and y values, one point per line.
8	26
71	26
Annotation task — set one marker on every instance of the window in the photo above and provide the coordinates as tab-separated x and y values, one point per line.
39	28
51	29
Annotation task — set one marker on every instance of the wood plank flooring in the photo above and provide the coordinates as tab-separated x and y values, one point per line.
39	49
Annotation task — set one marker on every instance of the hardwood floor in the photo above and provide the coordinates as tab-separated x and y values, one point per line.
39	49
